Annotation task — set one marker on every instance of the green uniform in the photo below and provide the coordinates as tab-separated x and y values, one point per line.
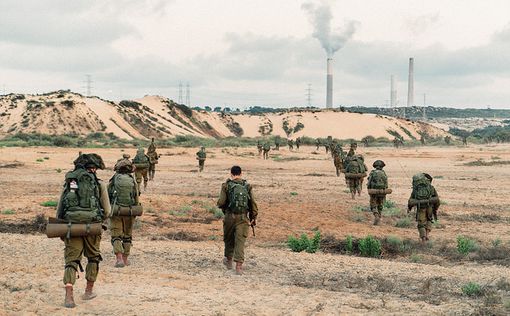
236	224
121	227
377	201
266	149
153	160
259	147
88	246
141	162
290	142
338	157
424	216
201	156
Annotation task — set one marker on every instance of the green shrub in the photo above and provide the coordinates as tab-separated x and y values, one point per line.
348	244
369	247
49	203
304	243
8	212
496	242
472	289
403	222
466	245
293	193
58	170
416	258
389	204
39	160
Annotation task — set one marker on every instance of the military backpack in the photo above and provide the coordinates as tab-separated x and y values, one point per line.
422	188
377	180
141	161
201	154
80	199
121	190
353	165
238	196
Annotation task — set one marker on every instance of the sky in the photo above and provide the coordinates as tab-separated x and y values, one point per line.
242	53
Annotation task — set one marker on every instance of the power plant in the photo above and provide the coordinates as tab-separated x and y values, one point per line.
410	83
393	93
329	84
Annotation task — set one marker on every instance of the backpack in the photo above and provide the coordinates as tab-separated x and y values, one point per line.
377	180
422	188
238	196
201	154
266	147
141	161
353	165
121	190
80	199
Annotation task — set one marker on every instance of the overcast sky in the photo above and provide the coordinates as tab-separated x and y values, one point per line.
241	53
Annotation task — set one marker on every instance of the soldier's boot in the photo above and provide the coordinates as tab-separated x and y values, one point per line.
69	298
337	172
88	295
227	261
144	186
377	219
353	195
427	232
125	259
239	268
120	260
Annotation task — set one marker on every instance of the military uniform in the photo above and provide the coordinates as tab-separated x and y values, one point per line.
338	157
88	246
290	143
259	147
266	149
153	159
277	144
377	200
355	184
201	156
298	142
317	144
141	163
425	213
236	225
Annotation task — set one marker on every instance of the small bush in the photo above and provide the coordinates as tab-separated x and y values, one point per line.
305	243
415	258
348	244
403	223
496	242
389	204
369	247
8	212
472	289
39	160
293	193
58	170
466	245
49	203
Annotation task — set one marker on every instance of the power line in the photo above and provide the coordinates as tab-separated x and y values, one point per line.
188	95
180	92
88	82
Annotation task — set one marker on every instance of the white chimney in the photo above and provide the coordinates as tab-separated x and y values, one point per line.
410	82
329	84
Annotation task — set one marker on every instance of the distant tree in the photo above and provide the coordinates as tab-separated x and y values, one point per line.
217	109
208	108
227	109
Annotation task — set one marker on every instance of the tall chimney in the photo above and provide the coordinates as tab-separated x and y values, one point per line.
329	84
410	83
393	93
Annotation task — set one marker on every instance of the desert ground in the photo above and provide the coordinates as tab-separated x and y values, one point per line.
176	258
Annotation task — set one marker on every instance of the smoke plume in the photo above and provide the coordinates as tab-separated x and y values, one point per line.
320	16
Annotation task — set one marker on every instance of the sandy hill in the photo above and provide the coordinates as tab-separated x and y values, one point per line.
64	112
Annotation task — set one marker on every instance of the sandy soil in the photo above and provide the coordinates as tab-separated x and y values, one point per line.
183	277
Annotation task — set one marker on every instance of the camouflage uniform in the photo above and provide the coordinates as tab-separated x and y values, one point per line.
259	147
153	159
338	157
355	184
317	143
266	149
425	214
88	246
298	142
290	143
377	200
276	143
141	162
201	156
236	226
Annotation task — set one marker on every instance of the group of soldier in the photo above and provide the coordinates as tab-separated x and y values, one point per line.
87	201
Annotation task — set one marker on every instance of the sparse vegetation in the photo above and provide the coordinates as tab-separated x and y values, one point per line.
472	289
304	243
466	245
370	247
8	212
50	203
404	222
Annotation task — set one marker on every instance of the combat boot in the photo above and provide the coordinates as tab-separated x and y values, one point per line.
377	219
69	299
88	295
125	258
239	268
427	232
120	261
227	261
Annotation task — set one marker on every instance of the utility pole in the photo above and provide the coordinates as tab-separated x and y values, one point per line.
309	94
188	95
88	82
180	92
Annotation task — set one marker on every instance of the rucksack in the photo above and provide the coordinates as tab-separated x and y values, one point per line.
122	190
422	188
238	196
80	199
353	165
141	161
377	180
201	154
266	147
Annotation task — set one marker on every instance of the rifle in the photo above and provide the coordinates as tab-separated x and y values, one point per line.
253	229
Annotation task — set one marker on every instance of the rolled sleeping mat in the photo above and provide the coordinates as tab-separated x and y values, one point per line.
355	175
141	166
379	191
431	201
118	210
59	228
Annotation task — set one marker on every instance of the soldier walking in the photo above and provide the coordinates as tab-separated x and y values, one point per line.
141	163
84	199
424	197
377	185
153	159
201	156
240	209
266	150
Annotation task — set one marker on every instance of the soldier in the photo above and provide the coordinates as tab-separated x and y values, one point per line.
424	197
298	142
355	171
123	192
377	180
266	149
447	139
84	199
338	158
153	159
121	160
259	147
422	140
396	142
141	162
317	143
240	209
277	143
290	143
201	156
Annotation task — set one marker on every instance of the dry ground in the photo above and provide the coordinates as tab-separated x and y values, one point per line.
296	192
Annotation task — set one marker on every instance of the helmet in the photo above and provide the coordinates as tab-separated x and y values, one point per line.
88	161
124	166
428	176
378	163
125	156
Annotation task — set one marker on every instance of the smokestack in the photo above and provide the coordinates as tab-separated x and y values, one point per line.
393	93
329	84
410	83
